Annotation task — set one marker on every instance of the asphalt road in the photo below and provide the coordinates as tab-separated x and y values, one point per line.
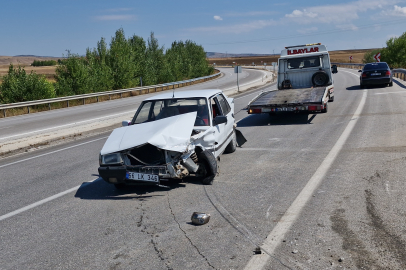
313	191
31	124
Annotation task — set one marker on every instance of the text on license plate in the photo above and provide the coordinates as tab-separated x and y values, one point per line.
142	177
375	74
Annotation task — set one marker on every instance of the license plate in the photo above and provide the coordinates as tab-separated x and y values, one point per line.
375	74
143	177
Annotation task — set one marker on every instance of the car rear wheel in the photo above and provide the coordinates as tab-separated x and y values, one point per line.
390	84
331	99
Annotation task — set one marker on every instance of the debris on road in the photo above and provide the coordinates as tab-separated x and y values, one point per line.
257	251
200	218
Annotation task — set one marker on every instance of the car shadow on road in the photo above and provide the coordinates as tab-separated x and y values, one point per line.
275	120
354	87
101	190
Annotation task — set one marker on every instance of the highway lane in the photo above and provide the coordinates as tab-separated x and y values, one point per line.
30	124
98	227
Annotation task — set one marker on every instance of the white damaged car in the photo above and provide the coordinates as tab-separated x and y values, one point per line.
172	135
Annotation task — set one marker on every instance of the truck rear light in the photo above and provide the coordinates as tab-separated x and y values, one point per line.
254	111
387	73
312	108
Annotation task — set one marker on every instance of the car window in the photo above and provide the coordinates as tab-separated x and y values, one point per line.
376	66
225	107
305	62
153	110
215	108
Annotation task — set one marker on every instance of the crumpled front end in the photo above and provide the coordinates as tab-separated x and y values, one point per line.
148	164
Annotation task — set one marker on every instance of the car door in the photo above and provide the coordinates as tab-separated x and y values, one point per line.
226	129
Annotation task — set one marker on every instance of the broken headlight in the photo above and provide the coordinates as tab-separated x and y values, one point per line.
110	159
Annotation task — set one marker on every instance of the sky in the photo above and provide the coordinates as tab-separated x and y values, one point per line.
52	27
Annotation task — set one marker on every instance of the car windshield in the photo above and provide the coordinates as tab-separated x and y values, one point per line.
153	110
376	66
305	62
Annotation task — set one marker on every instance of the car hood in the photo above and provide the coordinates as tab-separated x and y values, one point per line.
172	133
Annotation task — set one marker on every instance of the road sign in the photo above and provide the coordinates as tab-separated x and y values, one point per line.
351	57
377	57
237	69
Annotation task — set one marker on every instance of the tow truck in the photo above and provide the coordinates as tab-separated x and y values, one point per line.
305	82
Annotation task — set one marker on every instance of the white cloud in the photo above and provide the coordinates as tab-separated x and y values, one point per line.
399	11
218	18
340	13
115	18
237	28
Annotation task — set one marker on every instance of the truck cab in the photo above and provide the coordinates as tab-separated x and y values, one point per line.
304	66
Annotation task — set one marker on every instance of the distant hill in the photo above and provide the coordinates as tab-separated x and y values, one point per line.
24	59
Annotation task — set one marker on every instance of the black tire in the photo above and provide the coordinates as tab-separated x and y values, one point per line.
361	86
320	78
120	186
210	163
390	84
331	99
325	108
232	145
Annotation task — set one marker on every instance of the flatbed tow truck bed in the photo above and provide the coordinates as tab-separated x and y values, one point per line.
290	97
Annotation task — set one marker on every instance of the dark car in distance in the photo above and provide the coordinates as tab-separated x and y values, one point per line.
375	74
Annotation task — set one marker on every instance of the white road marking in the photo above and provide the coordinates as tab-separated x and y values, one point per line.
293	212
56	151
397	92
67	125
28	207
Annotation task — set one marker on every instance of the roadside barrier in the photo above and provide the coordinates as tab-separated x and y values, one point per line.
133	91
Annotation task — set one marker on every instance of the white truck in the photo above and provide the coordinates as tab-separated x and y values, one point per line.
305	82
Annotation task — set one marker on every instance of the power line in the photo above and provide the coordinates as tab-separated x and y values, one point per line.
313	34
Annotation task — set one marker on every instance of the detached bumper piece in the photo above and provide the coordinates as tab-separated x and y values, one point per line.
118	174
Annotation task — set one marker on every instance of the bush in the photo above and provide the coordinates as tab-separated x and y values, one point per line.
18	86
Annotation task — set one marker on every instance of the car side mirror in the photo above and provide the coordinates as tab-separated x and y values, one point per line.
125	123
219	120
334	68
359	70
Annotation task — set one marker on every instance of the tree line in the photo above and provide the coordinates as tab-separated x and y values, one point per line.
38	63
123	63
394	54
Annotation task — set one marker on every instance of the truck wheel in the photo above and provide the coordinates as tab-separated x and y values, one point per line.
210	165
331	99
325	108
232	146
390	84
361	86
320	78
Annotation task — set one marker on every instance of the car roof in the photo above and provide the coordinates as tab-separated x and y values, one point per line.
168	94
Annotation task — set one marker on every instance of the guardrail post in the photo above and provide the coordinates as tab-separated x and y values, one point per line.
97	98
83	101
49	106
4	113
109	97
121	95
28	107
67	103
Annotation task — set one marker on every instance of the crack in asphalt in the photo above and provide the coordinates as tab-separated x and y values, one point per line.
187	237
382	233
152	235
240	227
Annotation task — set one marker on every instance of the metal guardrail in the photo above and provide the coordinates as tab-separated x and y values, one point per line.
399	73
154	88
